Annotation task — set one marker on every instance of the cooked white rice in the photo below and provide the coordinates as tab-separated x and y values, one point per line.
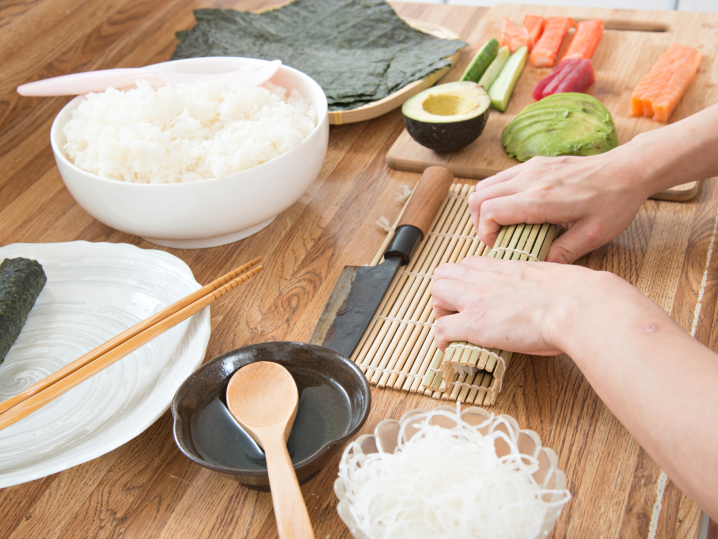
185	133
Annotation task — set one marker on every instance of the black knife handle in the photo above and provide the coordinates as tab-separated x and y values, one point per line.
405	240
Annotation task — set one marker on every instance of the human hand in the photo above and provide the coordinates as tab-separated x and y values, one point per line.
525	307
595	198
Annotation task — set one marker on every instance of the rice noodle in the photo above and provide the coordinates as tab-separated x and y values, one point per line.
447	483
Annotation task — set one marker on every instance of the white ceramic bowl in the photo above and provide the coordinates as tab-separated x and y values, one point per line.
204	213
386	439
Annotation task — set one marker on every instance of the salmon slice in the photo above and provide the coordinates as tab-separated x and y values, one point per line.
534	25
652	82
546	49
513	37
651	93
653	78
585	40
674	89
679	60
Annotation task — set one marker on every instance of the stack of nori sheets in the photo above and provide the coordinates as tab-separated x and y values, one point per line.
358	51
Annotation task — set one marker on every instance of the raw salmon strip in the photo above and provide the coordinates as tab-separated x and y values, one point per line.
547	47
651	84
681	54
513	37
671	94
666	82
534	25
585	40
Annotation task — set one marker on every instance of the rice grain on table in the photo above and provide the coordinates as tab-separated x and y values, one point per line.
185	133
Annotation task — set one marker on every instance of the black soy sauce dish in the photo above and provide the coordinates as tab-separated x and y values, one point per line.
334	402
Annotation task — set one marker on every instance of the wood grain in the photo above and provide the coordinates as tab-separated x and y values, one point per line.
263	398
426	199
623	57
146	488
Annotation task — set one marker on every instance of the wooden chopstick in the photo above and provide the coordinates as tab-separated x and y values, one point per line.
42	398
123	337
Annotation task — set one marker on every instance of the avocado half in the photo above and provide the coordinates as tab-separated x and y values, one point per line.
561	124
447	117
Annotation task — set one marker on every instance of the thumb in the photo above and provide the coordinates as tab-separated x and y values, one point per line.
574	243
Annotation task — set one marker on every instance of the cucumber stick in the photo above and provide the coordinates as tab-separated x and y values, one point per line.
501	89
495	68
481	61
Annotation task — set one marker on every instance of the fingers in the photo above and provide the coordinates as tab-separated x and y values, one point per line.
448	295
502	176
484	263
452	328
478	199
507	210
440	313
576	242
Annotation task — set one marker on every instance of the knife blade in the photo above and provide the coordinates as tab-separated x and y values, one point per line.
360	289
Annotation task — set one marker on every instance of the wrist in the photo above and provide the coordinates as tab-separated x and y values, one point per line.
672	155
593	304
639	171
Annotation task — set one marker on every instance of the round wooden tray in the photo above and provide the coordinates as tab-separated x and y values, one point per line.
390	102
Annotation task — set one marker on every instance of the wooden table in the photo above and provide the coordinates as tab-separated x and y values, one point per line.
146	488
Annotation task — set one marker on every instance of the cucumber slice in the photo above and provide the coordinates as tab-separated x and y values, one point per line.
481	61
495	68
502	88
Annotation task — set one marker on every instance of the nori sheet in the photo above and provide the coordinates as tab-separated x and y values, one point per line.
358	51
21	281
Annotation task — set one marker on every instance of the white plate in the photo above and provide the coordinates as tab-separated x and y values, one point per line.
93	292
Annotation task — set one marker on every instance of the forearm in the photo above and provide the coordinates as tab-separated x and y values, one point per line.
678	153
658	381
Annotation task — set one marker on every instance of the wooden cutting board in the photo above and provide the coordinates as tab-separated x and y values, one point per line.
631	43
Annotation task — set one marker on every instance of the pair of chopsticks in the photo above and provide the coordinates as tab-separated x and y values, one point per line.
49	388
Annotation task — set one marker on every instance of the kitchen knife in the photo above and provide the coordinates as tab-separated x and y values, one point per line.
359	289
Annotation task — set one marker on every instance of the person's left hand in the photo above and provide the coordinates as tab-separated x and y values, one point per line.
520	306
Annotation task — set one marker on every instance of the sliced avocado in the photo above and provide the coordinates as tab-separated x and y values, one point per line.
495	68
502	88
447	117
561	124
481	61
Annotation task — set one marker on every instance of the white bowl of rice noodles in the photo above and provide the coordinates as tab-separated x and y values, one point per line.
452	474
193	166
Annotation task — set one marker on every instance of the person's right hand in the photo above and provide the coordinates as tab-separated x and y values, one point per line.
595	198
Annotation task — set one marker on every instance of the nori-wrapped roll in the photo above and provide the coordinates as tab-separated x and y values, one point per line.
21	281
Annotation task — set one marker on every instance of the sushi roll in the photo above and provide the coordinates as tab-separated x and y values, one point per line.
21	281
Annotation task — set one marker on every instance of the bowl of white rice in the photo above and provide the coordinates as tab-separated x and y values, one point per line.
193	165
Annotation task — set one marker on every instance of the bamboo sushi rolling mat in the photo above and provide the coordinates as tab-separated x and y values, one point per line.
397	350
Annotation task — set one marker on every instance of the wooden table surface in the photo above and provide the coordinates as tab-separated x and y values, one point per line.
147	488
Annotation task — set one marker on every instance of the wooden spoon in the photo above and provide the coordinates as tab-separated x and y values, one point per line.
263	398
